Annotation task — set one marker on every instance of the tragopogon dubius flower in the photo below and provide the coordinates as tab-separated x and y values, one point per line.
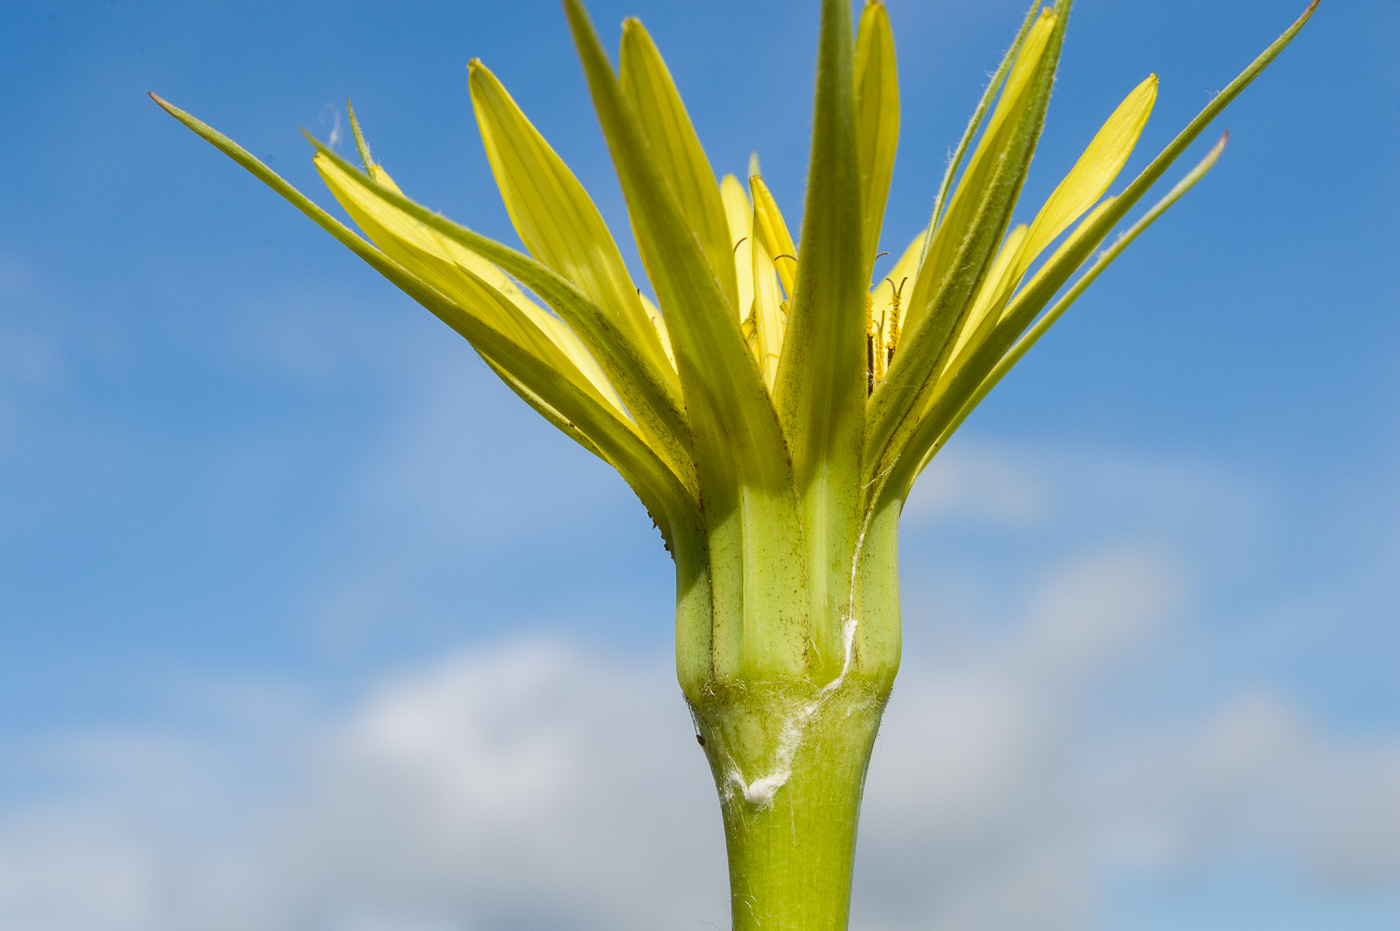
773	405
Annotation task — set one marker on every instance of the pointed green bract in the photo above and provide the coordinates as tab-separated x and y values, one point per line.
964	244
821	378
990	366
986	308
615	437
741	460
651	402
975	123
361	146
933	426
989	187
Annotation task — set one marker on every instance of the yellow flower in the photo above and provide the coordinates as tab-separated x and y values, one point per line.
757	353
774	405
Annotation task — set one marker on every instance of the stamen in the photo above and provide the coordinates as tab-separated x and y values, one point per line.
896	293
870	355
881	358
739	243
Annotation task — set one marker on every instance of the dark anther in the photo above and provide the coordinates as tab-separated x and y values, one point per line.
869	365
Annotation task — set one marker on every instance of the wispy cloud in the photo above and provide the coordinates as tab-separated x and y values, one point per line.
537	784
1029	765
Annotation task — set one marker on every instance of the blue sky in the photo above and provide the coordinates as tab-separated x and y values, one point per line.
251	497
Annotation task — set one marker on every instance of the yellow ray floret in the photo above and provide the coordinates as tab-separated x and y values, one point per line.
739	212
772	230
768	316
1090	177
555	217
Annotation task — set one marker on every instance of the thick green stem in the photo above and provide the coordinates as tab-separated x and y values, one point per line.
789	752
790	765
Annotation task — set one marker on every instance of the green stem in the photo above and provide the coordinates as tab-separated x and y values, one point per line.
789	763
789	752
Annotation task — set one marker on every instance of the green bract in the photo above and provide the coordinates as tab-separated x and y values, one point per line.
774	406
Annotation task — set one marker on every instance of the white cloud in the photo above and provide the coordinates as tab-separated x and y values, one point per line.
969	820
538	784
529	787
974	481
526	786
1035	486
1258	776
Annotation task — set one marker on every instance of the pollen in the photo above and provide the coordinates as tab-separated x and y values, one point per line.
893	342
872	355
881	338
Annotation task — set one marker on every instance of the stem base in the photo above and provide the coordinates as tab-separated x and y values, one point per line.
789	760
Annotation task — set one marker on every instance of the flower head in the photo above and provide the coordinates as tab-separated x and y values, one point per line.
778	393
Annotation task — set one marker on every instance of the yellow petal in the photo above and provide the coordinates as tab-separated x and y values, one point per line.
877	117
1095	170
767	314
741	461
770	229
1074	238
659	322
992	296
647	83
554	215
739	212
